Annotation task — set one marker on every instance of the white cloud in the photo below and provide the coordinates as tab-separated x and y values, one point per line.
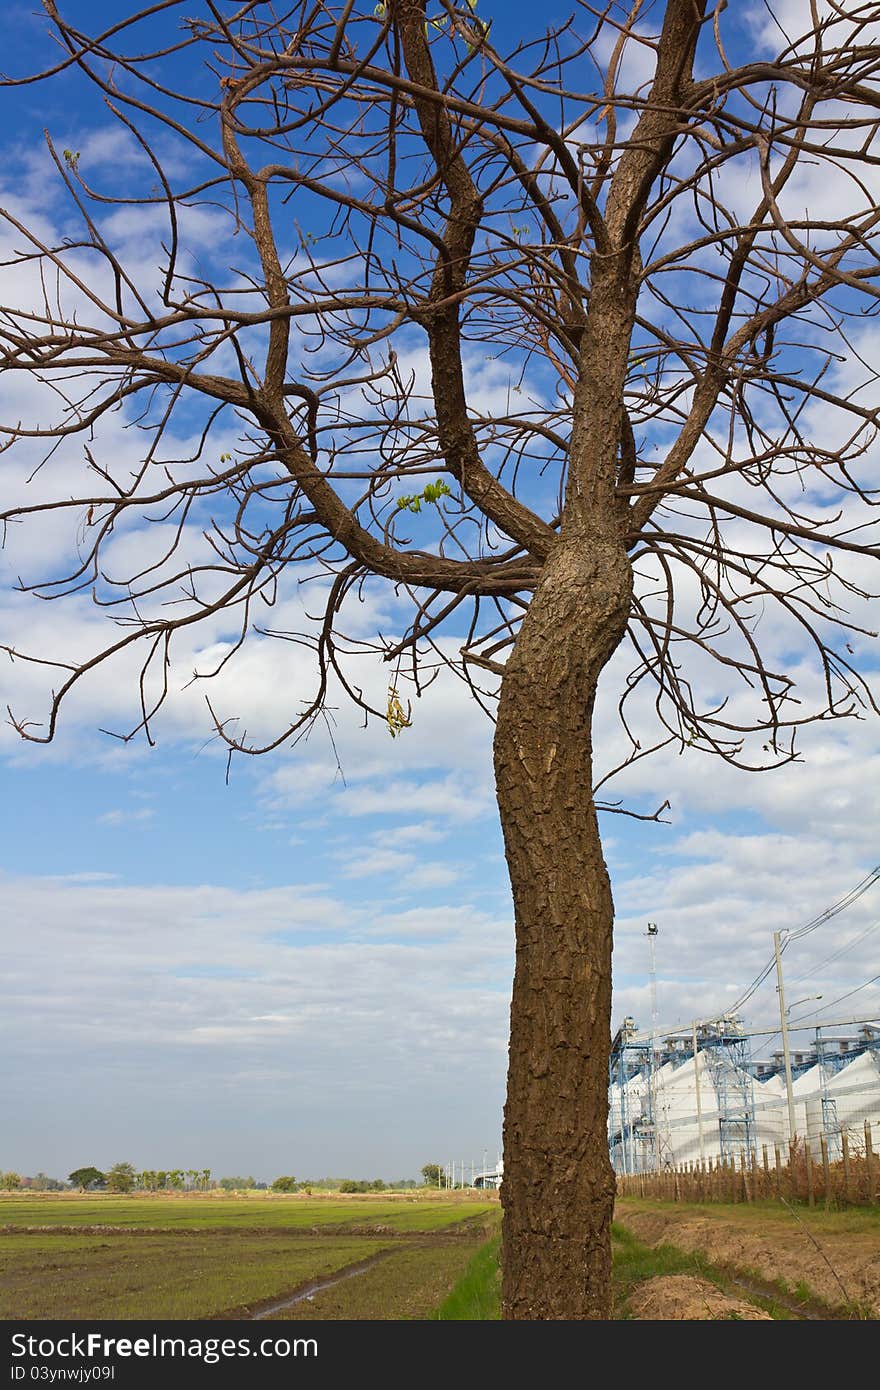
431	876
784	22
453	796
376	861
119	816
419	833
281	998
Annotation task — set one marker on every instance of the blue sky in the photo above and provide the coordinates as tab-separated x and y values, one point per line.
301	971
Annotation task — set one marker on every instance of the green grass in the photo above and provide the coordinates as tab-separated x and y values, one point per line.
259	1210
143	1256
155	1276
477	1295
402	1286
801	1293
147	1276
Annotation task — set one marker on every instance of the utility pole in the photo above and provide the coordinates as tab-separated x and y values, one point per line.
621	1110
786	1050
699	1098
651	934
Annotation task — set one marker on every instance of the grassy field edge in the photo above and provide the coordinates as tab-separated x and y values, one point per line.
477	1295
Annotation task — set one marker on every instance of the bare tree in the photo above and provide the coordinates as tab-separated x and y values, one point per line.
667	240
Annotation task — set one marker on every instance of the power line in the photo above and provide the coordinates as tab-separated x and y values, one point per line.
744	998
852	896
830	912
771	1033
839	1000
836	954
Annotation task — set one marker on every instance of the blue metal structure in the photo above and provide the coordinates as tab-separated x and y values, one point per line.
728	1054
632	1136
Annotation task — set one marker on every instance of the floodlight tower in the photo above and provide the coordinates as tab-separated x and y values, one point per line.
652	934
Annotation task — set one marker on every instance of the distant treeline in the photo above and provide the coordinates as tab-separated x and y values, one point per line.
11	1182
124	1177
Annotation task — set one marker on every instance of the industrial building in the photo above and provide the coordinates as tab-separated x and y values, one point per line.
490	1177
699	1095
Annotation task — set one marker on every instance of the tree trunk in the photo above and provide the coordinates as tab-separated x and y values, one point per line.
558	1189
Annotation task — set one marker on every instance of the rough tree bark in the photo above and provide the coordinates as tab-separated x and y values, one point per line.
558	1195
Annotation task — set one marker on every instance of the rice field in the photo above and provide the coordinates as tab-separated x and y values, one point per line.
262	1255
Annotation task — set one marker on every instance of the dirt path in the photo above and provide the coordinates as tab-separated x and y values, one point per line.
280	1306
840	1267
407	1282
